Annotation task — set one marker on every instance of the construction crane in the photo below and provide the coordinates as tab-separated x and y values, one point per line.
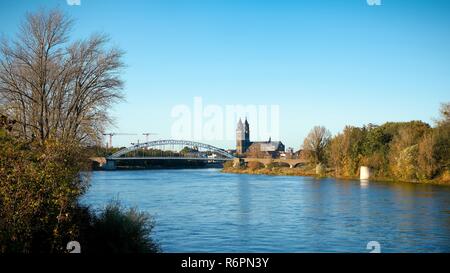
147	135
116	134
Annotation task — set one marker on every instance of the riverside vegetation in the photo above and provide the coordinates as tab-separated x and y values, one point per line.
54	96
395	151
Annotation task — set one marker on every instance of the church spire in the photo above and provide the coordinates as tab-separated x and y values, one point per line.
240	125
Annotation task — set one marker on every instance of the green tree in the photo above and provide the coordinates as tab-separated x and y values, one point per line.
353	145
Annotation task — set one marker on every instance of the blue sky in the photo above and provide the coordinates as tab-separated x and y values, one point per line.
330	63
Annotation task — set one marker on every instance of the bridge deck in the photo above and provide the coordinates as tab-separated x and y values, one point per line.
169	158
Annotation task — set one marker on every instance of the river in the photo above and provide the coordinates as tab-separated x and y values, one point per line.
204	210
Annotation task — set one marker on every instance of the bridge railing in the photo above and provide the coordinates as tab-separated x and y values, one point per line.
162	143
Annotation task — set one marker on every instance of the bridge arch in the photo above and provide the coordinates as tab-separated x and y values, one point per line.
297	164
157	143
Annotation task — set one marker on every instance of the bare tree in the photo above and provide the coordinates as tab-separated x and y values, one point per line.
445	114
54	87
316	142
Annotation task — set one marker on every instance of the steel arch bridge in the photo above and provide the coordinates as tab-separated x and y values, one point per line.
220	154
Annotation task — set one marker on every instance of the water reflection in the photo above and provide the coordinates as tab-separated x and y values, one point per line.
364	183
244	199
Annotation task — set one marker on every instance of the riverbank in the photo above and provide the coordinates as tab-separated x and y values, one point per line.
310	172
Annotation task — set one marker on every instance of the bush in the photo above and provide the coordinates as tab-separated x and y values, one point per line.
117	230
405	165
254	165
271	165
39	188
40	185
320	169
228	164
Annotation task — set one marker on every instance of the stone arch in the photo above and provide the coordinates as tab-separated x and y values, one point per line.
280	164
297	164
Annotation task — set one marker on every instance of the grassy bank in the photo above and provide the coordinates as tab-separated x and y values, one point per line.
310	172
271	171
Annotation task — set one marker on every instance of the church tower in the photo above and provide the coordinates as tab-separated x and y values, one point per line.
246	134
242	137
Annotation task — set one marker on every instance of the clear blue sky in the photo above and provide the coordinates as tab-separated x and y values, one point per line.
328	63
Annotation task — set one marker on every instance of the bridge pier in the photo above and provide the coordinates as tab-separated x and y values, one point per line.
110	165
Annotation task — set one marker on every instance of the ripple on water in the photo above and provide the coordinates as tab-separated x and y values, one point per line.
207	211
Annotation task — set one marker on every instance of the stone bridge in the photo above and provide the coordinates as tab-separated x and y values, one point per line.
266	161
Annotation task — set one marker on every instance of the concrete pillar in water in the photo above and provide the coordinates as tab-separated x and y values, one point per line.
364	173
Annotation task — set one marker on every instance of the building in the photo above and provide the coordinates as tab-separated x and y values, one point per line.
289	154
255	149
242	137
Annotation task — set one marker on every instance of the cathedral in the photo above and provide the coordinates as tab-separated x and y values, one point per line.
256	149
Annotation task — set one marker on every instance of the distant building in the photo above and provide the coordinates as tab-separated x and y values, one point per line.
255	149
289	154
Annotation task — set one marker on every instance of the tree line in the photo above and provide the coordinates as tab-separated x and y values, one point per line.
406	151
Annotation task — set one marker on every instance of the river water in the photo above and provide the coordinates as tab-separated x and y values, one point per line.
204	210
